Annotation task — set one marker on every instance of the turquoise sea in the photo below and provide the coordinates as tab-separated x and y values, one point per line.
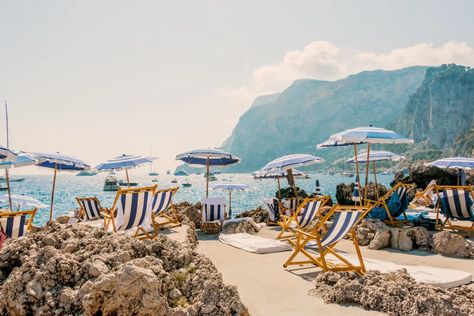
69	186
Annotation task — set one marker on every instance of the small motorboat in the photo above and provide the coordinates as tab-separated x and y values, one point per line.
181	173
174	181
153	174
212	178
154	180
124	183
111	183
186	184
84	173
3	179
347	174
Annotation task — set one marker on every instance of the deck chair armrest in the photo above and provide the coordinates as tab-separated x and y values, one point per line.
302	232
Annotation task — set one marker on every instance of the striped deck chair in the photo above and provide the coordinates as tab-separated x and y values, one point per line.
212	214
345	218
456	204
131	209
16	224
427	197
308	210
163	201
273	211
90	208
288	206
382	205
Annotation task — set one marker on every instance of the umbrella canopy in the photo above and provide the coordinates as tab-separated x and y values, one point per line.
211	157
208	157
376	155
22	201
59	162
6	154
364	135
22	160
276	174
454	162
229	187
290	162
124	162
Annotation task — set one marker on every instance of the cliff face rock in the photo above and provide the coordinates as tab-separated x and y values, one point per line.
309	111
441	111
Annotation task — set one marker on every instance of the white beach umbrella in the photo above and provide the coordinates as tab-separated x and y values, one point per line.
58	162
276	175
454	162
229	187
124	162
22	201
208	157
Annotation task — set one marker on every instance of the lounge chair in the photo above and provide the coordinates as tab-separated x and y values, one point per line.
427	197
345	217
213	214
393	204
308	210
162	201
273	211
288	206
90	208
456	204
16	224
131	209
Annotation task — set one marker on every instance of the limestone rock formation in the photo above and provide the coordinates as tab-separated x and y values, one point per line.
259	215
452	245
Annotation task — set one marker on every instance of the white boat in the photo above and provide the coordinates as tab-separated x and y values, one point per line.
111	183
86	173
3	179
174	181
153	174
124	183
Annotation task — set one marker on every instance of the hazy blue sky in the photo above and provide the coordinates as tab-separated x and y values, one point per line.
96	79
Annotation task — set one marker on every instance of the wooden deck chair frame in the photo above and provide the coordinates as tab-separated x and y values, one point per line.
319	259
31	213
83	215
382	201
423	198
109	218
171	219
447	224
286	221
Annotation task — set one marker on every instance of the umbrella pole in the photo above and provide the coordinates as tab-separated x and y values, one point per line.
279	190
52	193
128	179
367	166
207	177
375	179
7	179
230	204
357	171
290	176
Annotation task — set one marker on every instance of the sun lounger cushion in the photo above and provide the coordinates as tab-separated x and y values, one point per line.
394	205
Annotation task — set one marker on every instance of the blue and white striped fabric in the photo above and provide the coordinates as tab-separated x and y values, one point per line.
290	162
272	209
454	162
124	162
162	200
135	208
342	224
363	135
91	208
14	225
457	203
402	192
60	161
6	154
376	155
308	213
290	204
213	157
213	209
275	174
22	160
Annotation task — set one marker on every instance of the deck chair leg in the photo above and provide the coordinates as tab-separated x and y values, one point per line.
359	254
295	251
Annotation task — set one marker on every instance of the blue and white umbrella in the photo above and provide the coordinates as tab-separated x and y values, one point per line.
276	174
208	157
124	162
454	162
376	155
22	160
59	162
229	187
22	201
6	154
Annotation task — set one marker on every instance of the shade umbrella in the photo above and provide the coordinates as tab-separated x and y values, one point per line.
229	187
124	162
6	156
208	157
461	163
288	163
22	201
58	162
375	155
364	135
276	175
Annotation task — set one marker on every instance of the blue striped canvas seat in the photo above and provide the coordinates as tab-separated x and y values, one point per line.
308	213
393	204
162	200
344	218
272	209
213	209
457	204
289	206
90	207
16	224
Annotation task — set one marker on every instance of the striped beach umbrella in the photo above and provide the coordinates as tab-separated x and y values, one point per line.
58	162
124	162
454	162
208	158
229	187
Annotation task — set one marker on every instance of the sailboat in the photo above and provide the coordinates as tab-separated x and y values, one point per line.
152	173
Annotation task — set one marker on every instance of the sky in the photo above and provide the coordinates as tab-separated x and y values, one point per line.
96	79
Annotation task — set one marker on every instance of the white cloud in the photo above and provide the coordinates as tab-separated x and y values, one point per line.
326	61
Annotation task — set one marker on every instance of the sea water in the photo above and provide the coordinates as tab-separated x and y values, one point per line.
69	186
